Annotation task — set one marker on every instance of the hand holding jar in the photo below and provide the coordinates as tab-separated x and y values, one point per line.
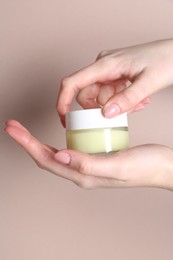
140	166
119	81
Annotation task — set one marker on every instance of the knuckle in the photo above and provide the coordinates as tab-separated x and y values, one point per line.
86	167
65	82
42	162
104	59
83	168
79	96
107	63
85	183
103	54
103	63
83	100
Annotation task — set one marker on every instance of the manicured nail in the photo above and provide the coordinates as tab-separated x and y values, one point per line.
62	157
5	124
111	110
63	122
4	129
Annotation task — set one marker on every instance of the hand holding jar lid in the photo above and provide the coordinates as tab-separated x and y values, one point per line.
98	85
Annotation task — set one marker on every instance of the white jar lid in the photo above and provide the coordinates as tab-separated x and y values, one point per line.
93	119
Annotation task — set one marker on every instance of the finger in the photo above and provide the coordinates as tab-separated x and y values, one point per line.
99	166
17	124
105	93
87	177
71	85
51	148
40	153
43	155
96	95
12	122
88	95
141	105
120	85
146	100
34	148
128	99
98	72
109	90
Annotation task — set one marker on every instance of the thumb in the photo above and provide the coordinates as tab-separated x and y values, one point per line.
127	99
101	166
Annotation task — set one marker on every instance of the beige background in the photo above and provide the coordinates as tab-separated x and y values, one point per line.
42	216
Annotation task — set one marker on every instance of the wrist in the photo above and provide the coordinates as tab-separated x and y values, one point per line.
166	180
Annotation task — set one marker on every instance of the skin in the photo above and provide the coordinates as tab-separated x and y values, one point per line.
118	81
142	166
147	68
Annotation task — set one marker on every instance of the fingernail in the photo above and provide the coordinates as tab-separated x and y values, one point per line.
62	157
63	122
5	124
4	130
111	110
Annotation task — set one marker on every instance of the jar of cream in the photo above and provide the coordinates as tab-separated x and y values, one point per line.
90	132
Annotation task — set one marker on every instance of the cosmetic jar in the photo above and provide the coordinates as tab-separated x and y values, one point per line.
90	132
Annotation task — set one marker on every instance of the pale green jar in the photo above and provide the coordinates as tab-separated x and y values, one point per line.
90	132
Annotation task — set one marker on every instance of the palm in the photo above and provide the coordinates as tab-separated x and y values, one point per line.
137	166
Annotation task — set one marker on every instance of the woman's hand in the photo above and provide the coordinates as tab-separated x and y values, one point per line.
147	67
145	165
